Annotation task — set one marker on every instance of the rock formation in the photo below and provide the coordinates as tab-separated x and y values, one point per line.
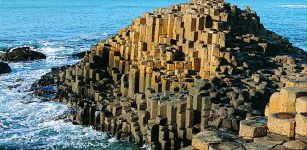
21	54
4	68
287	110
197	67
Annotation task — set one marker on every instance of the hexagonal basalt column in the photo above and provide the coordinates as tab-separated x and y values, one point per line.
301	124
282	124
253	127
301	104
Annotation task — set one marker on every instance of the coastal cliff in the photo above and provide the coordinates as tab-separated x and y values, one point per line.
181	75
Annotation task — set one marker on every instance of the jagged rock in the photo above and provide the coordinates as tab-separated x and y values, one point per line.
4	68
22	54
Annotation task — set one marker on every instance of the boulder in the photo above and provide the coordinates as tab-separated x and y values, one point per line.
22	54
4	68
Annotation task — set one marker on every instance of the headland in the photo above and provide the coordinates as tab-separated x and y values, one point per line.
197	75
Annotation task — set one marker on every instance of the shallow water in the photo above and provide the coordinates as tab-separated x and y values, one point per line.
60	28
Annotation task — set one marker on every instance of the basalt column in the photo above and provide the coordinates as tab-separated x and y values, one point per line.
133	82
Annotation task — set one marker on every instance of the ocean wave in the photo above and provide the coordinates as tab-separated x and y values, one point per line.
28	123
52	49
56	134
294	6
55	46
112	140
8	47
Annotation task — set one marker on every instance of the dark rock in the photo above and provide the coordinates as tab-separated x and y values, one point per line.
4	68
13	86
22	54
80	54
235	124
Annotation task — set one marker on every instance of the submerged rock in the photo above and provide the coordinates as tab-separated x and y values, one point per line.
4	68
22	54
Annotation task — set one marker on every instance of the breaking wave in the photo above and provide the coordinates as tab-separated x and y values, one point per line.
294	6
26	122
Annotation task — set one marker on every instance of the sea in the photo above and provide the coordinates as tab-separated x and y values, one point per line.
60	28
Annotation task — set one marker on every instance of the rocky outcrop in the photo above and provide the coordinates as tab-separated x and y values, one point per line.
4	68
22	54
177	72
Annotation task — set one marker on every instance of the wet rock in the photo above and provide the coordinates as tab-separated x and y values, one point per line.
13	86
4	68
22	54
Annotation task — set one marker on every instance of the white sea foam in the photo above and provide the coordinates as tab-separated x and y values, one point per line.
294	6
145	146
25	121
51	49
105	34
112	140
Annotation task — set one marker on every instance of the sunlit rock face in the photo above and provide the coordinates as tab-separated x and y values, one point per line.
177	71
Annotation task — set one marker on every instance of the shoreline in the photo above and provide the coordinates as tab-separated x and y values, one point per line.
163	88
